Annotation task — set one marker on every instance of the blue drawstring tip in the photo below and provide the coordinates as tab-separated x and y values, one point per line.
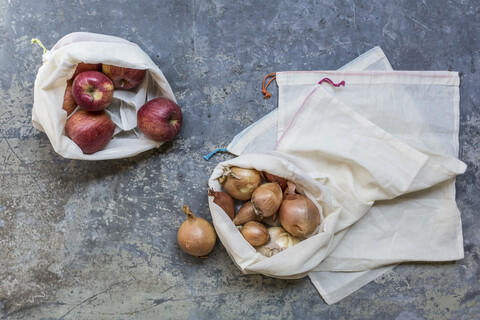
208	156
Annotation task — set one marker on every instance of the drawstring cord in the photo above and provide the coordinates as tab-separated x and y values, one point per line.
267	95
273	75
208	156
35	40
327	80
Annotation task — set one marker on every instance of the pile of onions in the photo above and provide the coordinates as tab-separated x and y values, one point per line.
273	216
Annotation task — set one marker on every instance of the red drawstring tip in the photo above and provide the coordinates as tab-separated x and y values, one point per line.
327	80
267	95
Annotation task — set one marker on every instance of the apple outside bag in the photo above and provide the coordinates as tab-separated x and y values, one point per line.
58	66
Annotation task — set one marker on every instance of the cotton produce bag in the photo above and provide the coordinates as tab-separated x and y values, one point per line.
59	64
317	129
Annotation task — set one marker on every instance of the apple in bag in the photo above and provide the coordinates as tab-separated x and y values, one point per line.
92	90
91	131
124	78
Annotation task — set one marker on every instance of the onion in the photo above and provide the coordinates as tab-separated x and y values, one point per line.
224	201
267	198
279	240
255	233
196	235
246	213
272	221
297	214
273	178
240	183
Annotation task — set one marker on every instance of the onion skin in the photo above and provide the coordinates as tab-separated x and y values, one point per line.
286	240
240	183
255	233
196	236
279	240
290	189
267	198
272	221
224	201
246	213
298	214
273	178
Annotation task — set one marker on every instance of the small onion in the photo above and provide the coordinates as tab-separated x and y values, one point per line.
196	236
298	214
272	221
266	199
240	183
286	240
224	201
279	240
246	213
273	178
255	233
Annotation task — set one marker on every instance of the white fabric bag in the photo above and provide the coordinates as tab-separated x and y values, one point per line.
335	285
59	65
262	135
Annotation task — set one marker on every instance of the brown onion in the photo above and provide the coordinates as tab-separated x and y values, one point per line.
267	198
273	178
255	233
196	236
279	240
246	213
272	221
224	201
240	183
298	214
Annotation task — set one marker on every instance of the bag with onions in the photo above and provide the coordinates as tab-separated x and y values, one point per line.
87	51
331	164
262	205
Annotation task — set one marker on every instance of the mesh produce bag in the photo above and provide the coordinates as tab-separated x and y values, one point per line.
387	139
59	64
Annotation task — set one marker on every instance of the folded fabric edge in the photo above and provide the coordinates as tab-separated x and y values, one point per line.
414	77
360	279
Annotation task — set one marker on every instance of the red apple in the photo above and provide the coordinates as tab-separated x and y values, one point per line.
91	131
159	119
86	67
69	103
92	90
124	78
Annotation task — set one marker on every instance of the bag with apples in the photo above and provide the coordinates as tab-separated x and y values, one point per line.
100	97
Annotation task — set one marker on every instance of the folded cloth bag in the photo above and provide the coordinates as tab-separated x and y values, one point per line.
59	65
335	285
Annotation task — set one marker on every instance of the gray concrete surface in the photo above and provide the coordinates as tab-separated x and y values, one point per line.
97	240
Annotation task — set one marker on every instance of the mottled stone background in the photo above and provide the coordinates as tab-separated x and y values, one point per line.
97	240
